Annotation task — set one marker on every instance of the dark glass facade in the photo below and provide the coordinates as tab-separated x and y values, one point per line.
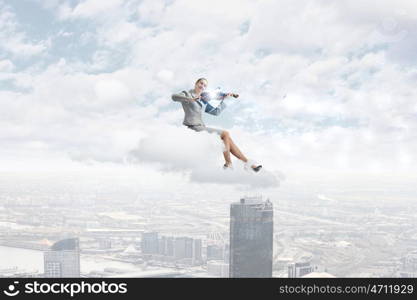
251	238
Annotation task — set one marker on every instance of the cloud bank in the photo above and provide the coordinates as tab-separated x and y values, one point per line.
198	154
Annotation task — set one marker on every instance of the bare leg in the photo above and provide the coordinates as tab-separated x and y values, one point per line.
236	151
232	148
226	140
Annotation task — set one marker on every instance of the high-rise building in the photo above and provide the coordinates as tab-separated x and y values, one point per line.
150	243
183	247
169	246
179	248
188	250
166	246
189	247
197	249
63	259
297	270
162	248
251	238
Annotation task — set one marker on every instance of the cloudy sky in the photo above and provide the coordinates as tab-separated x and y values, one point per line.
327	87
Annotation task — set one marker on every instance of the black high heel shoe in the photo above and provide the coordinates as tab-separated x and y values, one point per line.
257	168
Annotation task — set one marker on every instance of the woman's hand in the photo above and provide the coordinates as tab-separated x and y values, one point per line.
195	98
232	95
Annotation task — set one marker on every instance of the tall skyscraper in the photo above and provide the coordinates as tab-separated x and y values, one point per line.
251	238
63	259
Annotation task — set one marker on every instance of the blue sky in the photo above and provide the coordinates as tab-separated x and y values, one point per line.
325	86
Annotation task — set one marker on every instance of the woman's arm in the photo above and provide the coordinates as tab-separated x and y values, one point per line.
224	95
215	110
181	97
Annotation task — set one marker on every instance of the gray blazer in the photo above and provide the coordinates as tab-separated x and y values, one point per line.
193	109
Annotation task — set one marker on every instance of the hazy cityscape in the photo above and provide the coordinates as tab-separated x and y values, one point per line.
123	232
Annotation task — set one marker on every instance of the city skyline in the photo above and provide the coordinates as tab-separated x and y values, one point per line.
331	239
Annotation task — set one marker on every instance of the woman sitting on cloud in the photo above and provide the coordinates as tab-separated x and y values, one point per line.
193	102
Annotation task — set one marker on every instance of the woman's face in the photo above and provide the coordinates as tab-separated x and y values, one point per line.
201	86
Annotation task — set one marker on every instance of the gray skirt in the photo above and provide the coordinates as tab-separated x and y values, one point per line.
199	128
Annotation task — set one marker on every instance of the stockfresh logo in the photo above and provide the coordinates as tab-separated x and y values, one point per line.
11	290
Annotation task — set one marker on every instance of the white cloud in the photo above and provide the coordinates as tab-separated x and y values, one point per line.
15	41
200	155
112	91
165	75
120	32
91	8
6	65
